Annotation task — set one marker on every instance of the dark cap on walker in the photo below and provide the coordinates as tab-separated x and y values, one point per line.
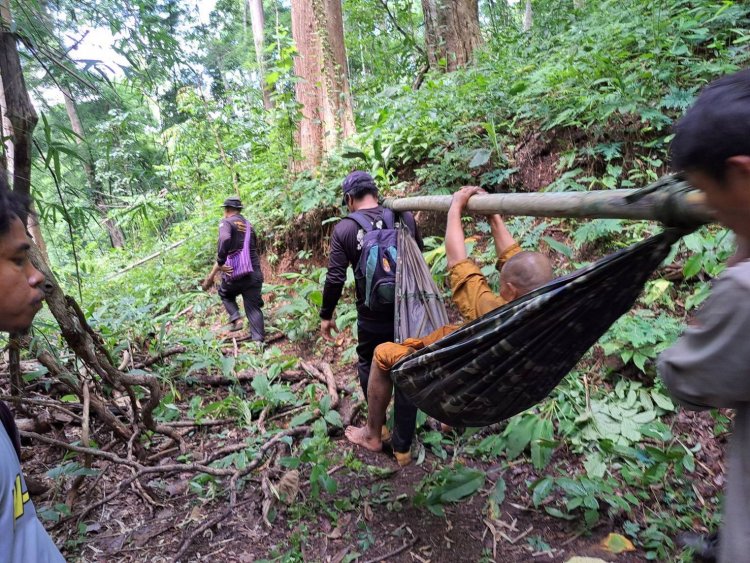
233	202
358	181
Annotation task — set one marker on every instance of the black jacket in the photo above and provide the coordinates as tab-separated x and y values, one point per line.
345	251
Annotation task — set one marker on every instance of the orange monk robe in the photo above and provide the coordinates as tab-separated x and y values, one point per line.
472	295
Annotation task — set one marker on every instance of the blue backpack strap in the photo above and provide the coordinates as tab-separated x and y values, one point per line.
361	220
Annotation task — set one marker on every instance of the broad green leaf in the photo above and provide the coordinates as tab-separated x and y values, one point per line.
558	246
542	488
692	266
662	401
334	418
498	492
461	484
594	465
480	158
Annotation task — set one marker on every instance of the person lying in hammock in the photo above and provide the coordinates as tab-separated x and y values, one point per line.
520	273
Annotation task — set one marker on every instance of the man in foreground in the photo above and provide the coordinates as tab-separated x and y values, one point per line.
709	366
22	537
520	273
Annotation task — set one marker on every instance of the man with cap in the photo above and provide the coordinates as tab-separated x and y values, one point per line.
373	327
232	232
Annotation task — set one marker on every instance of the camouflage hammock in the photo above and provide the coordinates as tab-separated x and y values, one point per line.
510	359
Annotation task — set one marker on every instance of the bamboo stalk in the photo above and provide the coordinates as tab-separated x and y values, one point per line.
147	259
673	205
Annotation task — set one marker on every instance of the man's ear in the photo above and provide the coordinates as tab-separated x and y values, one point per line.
738	165
508	291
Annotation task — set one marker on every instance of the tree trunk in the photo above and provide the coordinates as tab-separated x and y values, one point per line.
451	33
323	88
258	20
18	108
115	233
527	17
17	120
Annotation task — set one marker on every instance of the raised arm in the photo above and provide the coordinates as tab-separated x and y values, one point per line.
455	247
500	234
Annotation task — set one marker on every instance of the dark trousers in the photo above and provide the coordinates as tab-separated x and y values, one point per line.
404	412
250	288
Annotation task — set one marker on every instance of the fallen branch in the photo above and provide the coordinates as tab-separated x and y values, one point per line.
146	259
348	415
395	552
46	403
189	423
247	375
326	378
333	389
159	357
246	337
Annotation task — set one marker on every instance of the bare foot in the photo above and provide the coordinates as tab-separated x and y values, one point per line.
360	436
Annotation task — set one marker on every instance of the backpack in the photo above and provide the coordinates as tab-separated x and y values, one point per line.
377	262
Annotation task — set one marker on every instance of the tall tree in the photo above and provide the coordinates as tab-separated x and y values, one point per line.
19	114
115	233
18	118
258	21
528	16
323	88
452	32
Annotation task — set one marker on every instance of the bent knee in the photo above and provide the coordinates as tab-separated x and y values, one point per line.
388	354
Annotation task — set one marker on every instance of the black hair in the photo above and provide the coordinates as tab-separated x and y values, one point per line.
715	128
362	192
12	205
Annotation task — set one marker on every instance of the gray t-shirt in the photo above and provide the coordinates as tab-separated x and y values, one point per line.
709	366
22	537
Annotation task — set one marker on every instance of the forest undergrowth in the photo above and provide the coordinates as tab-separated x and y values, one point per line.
249	462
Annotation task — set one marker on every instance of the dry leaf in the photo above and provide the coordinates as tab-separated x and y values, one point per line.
585	560
287	488
615	543
335	534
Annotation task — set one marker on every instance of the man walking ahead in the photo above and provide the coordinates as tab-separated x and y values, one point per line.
237	260
374	326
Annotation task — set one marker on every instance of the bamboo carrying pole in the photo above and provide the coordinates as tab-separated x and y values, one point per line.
673	205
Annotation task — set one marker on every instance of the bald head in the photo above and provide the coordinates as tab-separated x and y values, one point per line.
523	273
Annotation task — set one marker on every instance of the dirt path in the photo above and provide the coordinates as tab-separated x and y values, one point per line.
371	516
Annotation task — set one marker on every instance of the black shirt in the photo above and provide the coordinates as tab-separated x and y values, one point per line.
232	237
345	251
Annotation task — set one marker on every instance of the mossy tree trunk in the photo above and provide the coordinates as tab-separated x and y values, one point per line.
452	32
323	86
258	22
117	239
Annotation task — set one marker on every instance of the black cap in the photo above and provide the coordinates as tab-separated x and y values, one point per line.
358	181
233	202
